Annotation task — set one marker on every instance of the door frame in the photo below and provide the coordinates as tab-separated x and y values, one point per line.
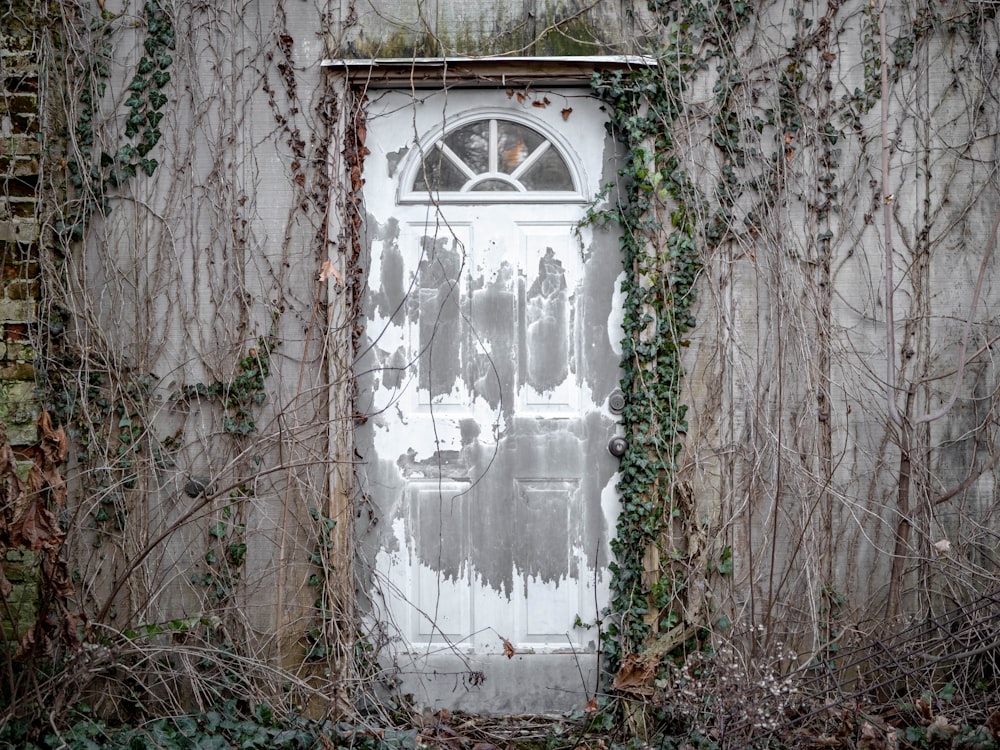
352	78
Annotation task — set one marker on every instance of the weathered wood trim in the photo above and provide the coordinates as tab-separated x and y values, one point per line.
435	72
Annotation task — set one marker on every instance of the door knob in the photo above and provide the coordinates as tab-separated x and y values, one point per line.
617	446
616	401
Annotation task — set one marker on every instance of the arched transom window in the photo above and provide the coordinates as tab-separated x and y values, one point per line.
493	159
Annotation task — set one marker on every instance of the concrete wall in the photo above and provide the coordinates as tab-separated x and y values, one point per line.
215	263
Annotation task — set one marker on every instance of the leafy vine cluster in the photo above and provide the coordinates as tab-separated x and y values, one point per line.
94	173
666	224
131	429
725	155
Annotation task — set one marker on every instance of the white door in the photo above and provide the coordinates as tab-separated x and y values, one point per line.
492	332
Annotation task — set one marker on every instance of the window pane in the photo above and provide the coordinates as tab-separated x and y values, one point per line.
493	186
514	143
472	145
471	158
438	173
548	173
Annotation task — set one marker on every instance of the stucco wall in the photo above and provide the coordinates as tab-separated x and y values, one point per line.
193	278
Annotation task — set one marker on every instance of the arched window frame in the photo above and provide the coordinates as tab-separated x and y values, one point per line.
427	145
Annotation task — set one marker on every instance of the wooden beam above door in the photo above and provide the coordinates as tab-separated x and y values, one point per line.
428	72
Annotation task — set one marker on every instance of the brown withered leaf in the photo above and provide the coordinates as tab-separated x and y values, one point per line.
508	648
566	113
925	709
825	740
73	625
57	575
328	270
6	587
994	724
54	449
52	440
873	737
27	644
940	731
592	707
36	527
36	480
635	674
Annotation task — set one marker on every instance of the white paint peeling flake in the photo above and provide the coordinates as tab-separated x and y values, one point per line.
489	356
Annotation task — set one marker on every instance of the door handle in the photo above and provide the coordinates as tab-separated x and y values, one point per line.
617	446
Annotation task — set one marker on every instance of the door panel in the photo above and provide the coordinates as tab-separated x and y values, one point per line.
488	360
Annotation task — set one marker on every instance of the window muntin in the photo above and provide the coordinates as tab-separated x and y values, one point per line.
491	159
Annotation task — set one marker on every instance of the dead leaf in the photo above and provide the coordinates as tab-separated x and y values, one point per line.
941	730
328	269
943	546
36	528
57	575
994	724
925	709
54	448
52	440
877	738
825	740
635	674
71	630
6	587
508	648
829	56
27	644
592	707
567	112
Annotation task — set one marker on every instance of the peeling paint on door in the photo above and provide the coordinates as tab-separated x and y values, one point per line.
547	331
486	371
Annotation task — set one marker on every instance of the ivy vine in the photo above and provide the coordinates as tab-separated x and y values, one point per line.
659	294
242	393
666	225
669	224
95	173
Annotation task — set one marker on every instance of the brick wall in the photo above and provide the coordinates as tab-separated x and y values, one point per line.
19	218
19	277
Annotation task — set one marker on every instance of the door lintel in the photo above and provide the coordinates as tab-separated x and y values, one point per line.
438	72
